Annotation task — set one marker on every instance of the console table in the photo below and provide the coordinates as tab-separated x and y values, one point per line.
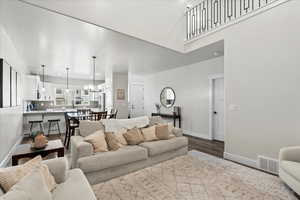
170	116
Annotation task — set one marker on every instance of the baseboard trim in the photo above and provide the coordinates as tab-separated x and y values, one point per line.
241	160
197	135
7	158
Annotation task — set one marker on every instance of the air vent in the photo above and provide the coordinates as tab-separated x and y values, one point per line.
268	164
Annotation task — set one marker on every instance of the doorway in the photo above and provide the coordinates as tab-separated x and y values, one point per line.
137	100
216	107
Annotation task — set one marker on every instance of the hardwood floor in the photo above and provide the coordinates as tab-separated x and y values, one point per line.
213	147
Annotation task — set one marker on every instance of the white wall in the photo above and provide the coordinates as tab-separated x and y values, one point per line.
11	119
120	81
191	86
262	78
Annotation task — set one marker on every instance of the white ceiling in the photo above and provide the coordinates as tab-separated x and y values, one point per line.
43	37
157	21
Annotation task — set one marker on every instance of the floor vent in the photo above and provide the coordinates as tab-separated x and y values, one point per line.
268	164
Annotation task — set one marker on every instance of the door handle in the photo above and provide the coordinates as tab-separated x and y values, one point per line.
215	112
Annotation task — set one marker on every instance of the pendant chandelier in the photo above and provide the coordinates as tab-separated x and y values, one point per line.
43	88
94	88
67	89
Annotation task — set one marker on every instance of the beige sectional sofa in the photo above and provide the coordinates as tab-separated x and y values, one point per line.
103	166
72	184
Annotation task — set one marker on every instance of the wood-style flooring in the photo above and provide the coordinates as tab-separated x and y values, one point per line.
212	147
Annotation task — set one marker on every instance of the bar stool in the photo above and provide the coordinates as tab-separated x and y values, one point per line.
56	122
39	122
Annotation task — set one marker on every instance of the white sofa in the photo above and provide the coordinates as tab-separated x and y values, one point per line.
72	184
103	166
289	167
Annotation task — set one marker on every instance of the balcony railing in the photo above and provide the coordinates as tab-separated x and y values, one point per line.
209	15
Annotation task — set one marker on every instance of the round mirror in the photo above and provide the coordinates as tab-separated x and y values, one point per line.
167	97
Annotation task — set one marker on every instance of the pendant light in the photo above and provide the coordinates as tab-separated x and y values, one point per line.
67	90
94	88
43	89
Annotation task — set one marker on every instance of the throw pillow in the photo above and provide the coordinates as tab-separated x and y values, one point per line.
112	141
120	136
11	175
33	185
48	177
149	134
134	136
98	141
162	132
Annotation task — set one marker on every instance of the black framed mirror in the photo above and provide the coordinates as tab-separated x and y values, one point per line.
167	97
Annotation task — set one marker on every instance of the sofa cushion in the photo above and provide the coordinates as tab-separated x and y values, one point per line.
124	155
11	175
292	168
149	133
162	131
120	136
76	187
15	195
88	127
32	185
134	136
112	141
162	146
98	141
113	125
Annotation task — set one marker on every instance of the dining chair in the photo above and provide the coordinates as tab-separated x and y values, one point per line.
71	125
84	111
103	115
95	116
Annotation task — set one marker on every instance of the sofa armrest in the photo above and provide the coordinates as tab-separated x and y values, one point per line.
79	149
178	132
58	167
290	154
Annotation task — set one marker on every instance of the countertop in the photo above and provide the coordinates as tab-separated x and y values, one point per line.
54	111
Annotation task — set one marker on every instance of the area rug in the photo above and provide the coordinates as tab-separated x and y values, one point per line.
196	176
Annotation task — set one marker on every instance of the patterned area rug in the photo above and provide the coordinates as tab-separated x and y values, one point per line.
196	176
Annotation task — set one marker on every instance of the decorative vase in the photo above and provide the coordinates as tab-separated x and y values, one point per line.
40	141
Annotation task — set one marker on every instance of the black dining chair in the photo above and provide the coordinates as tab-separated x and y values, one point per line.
71	124
86	112
113	113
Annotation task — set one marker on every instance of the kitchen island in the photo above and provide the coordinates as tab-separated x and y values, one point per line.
45	115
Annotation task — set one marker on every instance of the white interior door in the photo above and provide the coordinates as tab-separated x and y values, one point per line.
218	109
137	100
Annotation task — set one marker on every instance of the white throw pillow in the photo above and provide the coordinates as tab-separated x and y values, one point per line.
31	187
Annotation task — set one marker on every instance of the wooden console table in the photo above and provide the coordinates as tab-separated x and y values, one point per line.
170	116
